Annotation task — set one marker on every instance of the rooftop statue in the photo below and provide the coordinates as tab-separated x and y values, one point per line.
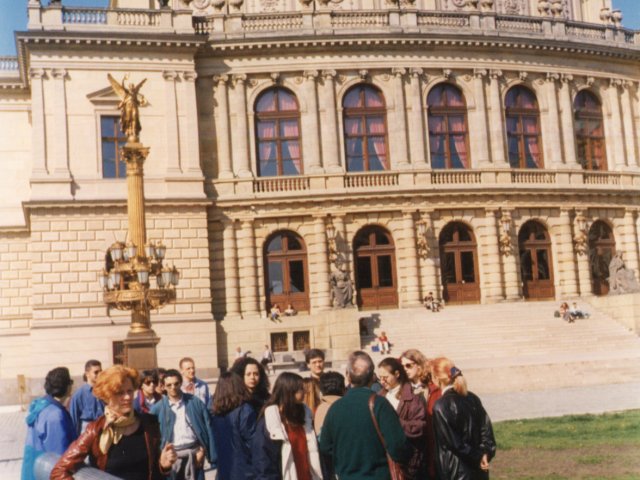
130	102
621	279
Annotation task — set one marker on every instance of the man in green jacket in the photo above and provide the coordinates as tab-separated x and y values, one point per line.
348	433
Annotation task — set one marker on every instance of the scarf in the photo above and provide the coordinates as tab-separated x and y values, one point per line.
113	428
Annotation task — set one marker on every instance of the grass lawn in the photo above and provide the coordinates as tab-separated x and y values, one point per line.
572	447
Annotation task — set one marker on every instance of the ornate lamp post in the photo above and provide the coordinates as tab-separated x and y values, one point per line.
130	267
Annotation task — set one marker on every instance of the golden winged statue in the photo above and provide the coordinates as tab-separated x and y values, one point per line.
130	101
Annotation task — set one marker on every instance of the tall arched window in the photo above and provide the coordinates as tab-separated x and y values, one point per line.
448	133
523	128
278	133
285	260
589	131
365	129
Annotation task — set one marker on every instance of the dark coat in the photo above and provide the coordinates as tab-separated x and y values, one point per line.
232	433
267	454
463	435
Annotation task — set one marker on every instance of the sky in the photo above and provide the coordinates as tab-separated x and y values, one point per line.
14	17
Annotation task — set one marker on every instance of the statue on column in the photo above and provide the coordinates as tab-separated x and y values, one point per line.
341	287
621	279
130	102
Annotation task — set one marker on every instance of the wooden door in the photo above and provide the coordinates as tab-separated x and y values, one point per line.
459	264
286	272
602	248
536	270
375	269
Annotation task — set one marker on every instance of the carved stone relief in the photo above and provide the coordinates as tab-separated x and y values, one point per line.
512	7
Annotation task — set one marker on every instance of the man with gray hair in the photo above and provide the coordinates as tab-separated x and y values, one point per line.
349	435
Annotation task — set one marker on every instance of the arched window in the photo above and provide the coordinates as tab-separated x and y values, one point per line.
285	260
448	133
589	131
459	264
278	133
536	267
365	129
523	128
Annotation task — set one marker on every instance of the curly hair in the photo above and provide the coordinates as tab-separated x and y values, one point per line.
111	380
262	389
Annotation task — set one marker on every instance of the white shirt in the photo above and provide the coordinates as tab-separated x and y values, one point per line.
392	396
183	434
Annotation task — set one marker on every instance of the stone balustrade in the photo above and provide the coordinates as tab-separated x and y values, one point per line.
8	63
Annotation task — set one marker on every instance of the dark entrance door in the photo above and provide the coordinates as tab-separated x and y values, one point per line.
459	264
602	248
286	272
535	262
375	269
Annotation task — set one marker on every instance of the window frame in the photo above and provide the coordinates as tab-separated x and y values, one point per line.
520	113
119	140
589	116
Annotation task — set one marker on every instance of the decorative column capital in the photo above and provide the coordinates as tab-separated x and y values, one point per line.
416	72
329	74
240	78
170	75
495	74
552	77
310	75
59	73
567	78
399	72
221	79
615	82
189	76
480	73
37	73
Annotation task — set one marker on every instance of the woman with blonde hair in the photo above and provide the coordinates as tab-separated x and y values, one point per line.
415	364
464	435
121	442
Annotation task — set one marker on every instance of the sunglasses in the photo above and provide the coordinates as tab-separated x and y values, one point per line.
150	382
408	365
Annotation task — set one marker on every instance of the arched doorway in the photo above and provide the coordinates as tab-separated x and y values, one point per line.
375	268
602	248
536	270
459	264
285	260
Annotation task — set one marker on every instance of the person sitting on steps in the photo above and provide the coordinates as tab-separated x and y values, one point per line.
383	343
431	303
275	313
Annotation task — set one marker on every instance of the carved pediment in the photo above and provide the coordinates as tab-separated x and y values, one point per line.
104	96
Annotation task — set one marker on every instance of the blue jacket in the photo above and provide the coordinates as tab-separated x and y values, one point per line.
49	429
233	433
198	417
85	406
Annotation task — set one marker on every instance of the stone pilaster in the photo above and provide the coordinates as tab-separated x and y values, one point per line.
416	128
631	239
398	140
409	265
430	270
172	143
310	127
248	270
38	128
627	122
491	278
615	141
221	114
550	124
240	127
584	270
329	123
566	121
60	163
478	127
231	278
566	280
191	163
319	265
496	122
510	270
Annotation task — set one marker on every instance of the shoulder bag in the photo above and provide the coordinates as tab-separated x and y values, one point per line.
395	469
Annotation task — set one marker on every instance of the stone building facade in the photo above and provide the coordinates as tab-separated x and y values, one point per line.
485	151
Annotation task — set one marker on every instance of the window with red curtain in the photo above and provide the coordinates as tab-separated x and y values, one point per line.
523	128
365	129
589	130
448	133
278	133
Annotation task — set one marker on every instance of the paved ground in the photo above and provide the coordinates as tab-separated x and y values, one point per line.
506	406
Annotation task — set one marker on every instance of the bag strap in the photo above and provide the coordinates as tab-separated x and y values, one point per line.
372	400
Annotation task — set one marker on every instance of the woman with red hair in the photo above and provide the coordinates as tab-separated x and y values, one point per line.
122	442
464	435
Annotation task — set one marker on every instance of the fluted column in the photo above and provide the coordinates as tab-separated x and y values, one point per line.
616	140
310	127
479	130
550	124
566	120
60	163
631	239
398	140
329	123
172	143
566	280
231	278
627	122
582	260
496	123
191	163
409	270
247	267
491	286
38	128
221	115
416	128
510	270
320	260
239	127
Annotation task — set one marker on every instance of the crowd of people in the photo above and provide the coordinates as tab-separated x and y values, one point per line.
408	417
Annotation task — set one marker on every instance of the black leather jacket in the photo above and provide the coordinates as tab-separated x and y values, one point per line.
463	435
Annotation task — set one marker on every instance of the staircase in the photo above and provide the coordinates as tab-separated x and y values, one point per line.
511	347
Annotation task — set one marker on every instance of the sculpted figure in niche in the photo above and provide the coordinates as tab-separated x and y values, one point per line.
130	102
341	287
621	279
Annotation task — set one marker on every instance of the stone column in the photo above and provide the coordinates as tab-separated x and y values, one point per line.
627	121
617	141
636	112
491	278
221	114
320	260
416	128
409	267
496	123
38	128
310	130
191	164
329	123
172	143
479	130
566	280
566	120
231	278
60	140
510	270
239	127
550	124
631	240
431	281
248	271
584	270
399	157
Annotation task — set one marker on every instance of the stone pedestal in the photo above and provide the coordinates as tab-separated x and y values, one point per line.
140	350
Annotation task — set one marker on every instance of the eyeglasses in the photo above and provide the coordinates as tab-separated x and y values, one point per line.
408	365
150	382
